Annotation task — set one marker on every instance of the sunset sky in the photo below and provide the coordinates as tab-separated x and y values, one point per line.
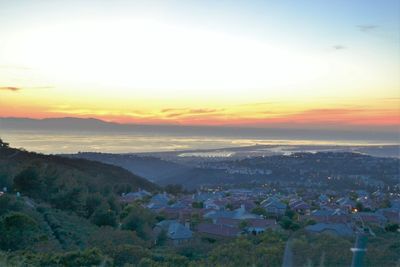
247	63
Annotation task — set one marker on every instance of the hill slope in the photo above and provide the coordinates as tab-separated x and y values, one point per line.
73	171
155	169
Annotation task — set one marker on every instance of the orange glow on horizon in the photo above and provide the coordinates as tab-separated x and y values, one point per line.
386	114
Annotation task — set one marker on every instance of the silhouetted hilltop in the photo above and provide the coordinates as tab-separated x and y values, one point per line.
68	171
150	167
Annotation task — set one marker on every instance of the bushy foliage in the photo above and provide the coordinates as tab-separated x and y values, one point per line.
18	231
325	250
69	215
264	250
138	219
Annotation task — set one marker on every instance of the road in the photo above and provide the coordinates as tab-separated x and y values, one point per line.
288	255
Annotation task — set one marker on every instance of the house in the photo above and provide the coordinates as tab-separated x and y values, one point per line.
346	203
203	196
300	206
379	195
391	214
274	206
179	205
218	230
181	214
240	214
323	199
158	202
257	226
329	216
248	204
362	194
339	229
216	204
176	232
228	222
160	198
133	196
370	218
395	204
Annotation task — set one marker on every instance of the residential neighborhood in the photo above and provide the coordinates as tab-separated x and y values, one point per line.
220	214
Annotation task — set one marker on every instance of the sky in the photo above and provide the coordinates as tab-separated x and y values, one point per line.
245	63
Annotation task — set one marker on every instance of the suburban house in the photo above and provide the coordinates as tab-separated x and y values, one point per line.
391	214
346	203
340	229
175	231
274	206
240	214
218	230
257	226
133	196
158	201
329	216
300	206
370	218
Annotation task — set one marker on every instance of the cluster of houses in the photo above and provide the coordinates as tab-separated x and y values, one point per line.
230	213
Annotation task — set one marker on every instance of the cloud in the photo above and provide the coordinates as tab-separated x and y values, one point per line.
367	27
10	88
179	112
16	89
203	110
339	47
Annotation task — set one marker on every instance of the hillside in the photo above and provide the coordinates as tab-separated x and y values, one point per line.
73	171
154	169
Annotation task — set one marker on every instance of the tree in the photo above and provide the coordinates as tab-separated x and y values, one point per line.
241	252
195	219
289	224
198	205
139	220
290	213
285	222
93	201
88	257
259	211
9	203
17	231
359	206
3	144
129	254
392	227
229	206
385	203
243	225
72	199
162	238
174	189
28	182
104	216
113	203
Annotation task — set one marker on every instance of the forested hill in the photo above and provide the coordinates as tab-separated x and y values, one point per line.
67	172
65	212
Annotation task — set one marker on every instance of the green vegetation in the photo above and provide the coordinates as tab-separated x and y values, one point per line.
332	251
260	211
68	214
198	205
